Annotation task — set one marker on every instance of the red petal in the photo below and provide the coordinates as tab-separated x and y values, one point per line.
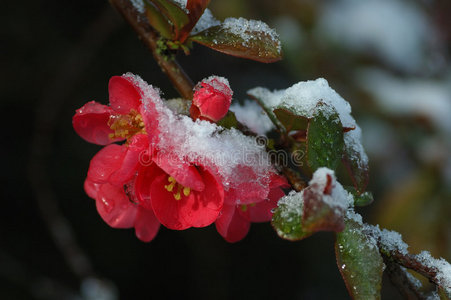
124	95
91	123
91	188
203	209
146	225
105	162
231	225
131	160
198	209
143	183
251	190
115	208
165	207
184	173
262	211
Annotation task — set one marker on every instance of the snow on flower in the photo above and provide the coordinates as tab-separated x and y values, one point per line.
172	169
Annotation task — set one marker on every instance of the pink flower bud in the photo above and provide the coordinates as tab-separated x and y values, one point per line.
212	98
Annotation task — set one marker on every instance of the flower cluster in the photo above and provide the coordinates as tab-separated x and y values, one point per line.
159	166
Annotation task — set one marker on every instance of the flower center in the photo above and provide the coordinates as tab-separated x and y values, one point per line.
177	189
126	126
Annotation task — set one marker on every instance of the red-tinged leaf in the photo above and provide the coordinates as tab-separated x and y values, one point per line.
322	212
174	13
158	21
359	262
356	162
196	8
252	44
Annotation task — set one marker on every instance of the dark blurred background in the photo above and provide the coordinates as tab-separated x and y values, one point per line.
389	59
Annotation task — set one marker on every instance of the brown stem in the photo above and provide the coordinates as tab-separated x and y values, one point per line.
138	21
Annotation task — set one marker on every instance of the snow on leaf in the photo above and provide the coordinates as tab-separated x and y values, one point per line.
301	100
287	218
249	39
359	262
356	160
325	203
360	199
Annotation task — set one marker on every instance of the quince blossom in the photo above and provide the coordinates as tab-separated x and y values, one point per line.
141	184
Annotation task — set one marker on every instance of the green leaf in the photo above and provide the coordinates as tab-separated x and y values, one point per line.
174	13
324	138
257	46
229	121
359	262
157	20
287	220
360	199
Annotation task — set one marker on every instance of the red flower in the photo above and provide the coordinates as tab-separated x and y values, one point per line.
211	100
191	200
234	221
114	181
101	124
170	187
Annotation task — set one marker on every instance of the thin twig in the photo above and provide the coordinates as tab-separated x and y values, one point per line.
410	261
149	37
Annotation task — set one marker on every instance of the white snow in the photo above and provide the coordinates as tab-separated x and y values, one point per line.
293	204
441	266
410	97
396	31
221	84
206	144
139	5
253	116
206	21
303	97
182	4
339	198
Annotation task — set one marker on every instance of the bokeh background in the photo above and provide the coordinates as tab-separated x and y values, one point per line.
388	58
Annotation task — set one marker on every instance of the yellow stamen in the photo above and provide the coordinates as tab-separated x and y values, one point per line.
243	207
126	126
170	186
177	193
